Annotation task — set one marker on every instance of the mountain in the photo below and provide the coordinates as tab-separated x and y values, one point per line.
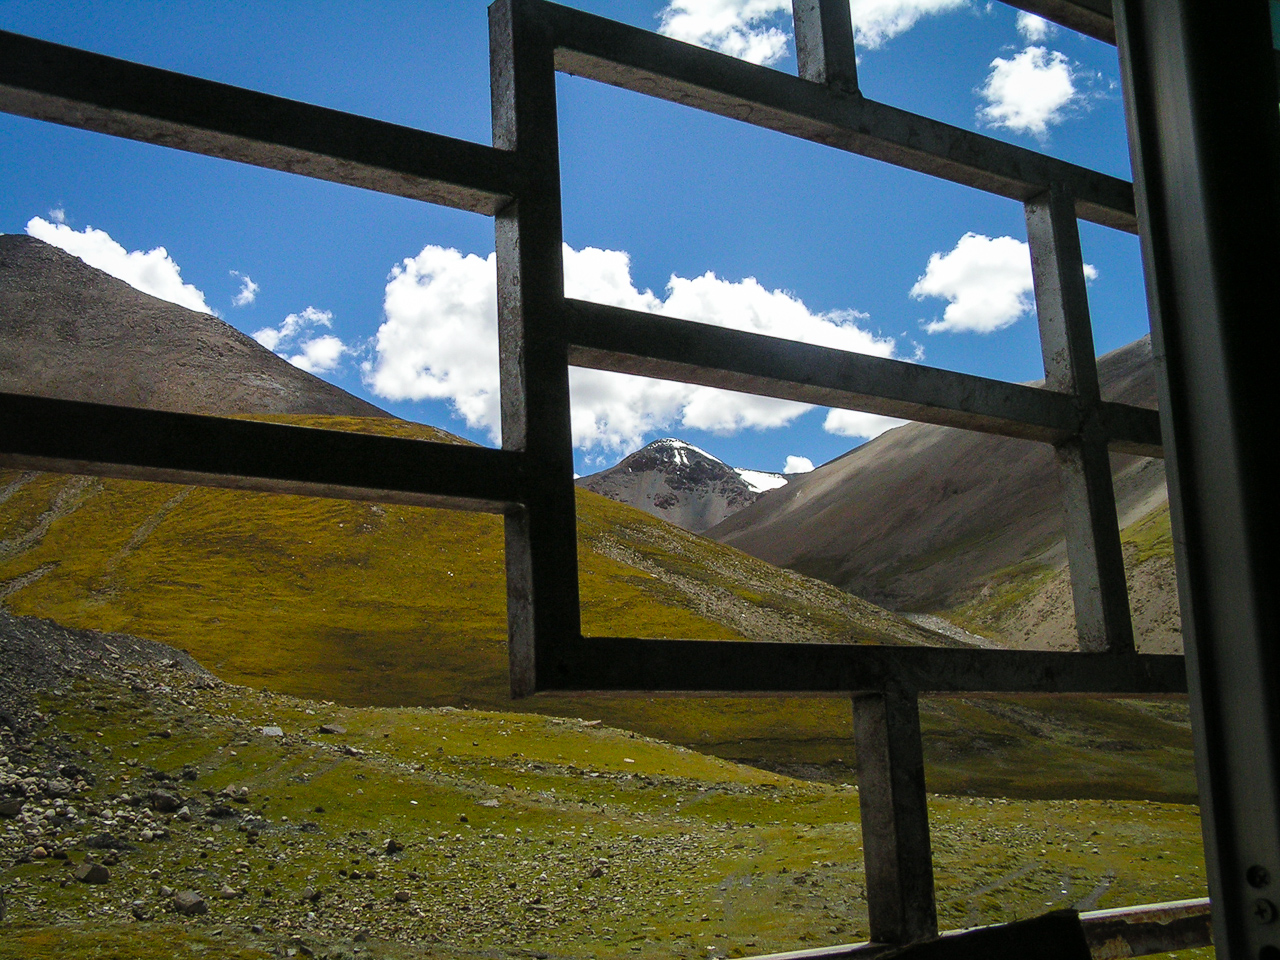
928	518
681	484
69	330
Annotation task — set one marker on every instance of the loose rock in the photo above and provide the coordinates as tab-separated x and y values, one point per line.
90	872
189	904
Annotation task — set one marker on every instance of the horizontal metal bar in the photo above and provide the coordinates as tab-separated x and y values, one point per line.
618	664
1111	934
68	436
47	81
1147	929
657	66
629	341
1090	17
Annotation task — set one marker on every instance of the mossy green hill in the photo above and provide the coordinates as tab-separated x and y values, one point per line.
374	605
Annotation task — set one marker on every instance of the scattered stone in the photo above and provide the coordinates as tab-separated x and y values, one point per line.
402	896
164	801
58	789
139	911
11	807
272	732
311	895
333	728
189	904
393	846
106	841
184	814
595	873
39	853
228	892
90	872
257	928
462	818
489	803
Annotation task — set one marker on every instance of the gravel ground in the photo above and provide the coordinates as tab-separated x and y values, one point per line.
38	655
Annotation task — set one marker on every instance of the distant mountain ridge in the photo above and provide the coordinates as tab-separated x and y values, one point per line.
70	330
682	484
922	517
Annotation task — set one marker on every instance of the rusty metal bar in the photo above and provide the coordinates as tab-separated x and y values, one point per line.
629	341
1093	18
68	436
541	541
624	664
47	81
1147	929
1096	563
895	816
824	43
657	66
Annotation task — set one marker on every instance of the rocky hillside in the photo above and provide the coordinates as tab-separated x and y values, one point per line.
69	330
681	484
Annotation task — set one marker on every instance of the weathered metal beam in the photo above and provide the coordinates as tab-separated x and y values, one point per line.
639	60
725	666
1200	95
895	816
824	43
1150	928
541	540
629	341
67	436
1098	589
1093	18
47	81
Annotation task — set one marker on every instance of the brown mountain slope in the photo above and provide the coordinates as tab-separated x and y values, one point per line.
69	330
922	517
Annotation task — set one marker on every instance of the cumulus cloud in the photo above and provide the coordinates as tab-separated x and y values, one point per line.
759	30
295	340
58	215
319	354
877	21
1033	28
1029	92
798	465
248	290
855	423
751	30
987	281
439	341
152	272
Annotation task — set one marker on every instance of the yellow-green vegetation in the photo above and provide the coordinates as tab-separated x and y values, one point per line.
1150	537
522	836
369	604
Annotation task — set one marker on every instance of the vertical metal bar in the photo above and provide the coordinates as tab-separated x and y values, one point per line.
541	545
824	43
1200	96
1094	554
895	816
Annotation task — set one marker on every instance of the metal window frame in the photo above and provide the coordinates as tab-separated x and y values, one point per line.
542	333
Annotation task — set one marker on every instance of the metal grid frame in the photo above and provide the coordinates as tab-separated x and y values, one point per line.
542	333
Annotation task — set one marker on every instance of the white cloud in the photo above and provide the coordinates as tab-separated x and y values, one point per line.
798	465
877	21
314	354
987	281
758	30
439	341
293	325
1033	28
855	423
58	215
1029	92
248	290
153	272
747	29
320	354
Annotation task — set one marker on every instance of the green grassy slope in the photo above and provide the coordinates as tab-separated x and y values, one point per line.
523	836
374	605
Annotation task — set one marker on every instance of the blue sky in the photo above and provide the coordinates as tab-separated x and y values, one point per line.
664	208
